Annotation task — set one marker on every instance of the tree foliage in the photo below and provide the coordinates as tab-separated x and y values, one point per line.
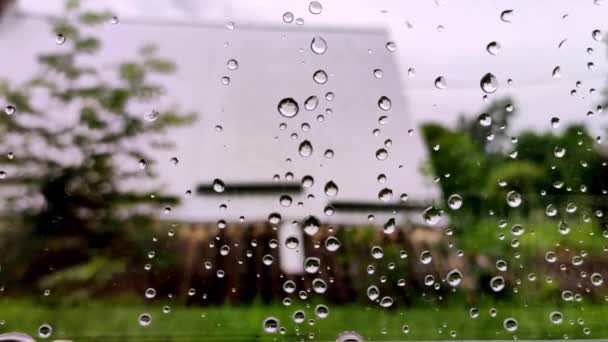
71	138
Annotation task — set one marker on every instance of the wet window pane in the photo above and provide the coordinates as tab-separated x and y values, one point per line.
311	170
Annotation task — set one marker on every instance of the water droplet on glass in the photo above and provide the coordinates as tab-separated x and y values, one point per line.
497	283
315	7
510	324
506	15
218	185
45	331
305	149
440	82
384	103
426	257
391	46
150	293
320	77
597	279
596	35
151	116
288	107
145	319
556	317
381	154
514	199
557	72
331	189
270	325
9	110
312	265
493	48
318	45
455	202
321	311
431	215
288	17
59	39
232	64
488	83
311	225
454	277
285	201
311	103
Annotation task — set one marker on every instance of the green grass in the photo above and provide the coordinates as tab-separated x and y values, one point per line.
107	322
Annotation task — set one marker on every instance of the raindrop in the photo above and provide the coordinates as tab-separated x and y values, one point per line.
218	185
454	277
312	265
288	17
332	244
384	103
311	225
311	103
381	154
292	242
373	293
597	35
144	319
331	189
232	64
391	46
270	325
378	73
320	77
45	331
315	7
9	110
493	48
318	45
426	257
556	317
305	149
321	311
288	107
513	199
431	215
557	72
485	120
597	279
497	283
455	202
285	200
510	324
385	194
151	116
488	83
506	15
440	82
59	39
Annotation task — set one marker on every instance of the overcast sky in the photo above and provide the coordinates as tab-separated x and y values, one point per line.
277	63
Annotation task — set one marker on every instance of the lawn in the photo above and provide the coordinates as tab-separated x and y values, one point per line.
108	322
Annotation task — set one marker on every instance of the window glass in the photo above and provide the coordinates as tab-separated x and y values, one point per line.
311	170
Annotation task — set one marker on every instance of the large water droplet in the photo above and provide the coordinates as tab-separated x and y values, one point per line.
514	199
454	277
288	17
596	35
455	202
556	317
431	215
318	45
384	103
488	83
493	48
315	7
145	319
320	77
331	189
311	103
218	185
440	82
59	39
305	149
270	325
288	107
311	225
510	324
506	15
45	331
9	110
557	72
497	283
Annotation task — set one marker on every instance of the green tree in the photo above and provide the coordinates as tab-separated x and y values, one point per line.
71	139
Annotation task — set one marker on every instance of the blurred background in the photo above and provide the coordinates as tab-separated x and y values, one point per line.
370	170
